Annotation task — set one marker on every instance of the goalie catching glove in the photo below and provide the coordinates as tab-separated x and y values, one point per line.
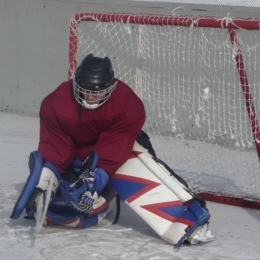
83	194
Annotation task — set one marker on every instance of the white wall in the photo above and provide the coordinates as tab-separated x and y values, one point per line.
34	43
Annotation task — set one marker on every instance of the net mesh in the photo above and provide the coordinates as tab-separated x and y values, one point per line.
188	79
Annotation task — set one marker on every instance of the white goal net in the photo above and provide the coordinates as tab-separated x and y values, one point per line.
199	80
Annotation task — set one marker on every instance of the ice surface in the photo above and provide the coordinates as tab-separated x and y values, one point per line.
237	229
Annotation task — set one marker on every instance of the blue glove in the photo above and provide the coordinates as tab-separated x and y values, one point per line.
83	194
96	178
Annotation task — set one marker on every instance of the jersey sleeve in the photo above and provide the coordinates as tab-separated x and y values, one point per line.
115	145
54	144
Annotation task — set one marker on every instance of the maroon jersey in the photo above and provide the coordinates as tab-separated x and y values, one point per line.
68	131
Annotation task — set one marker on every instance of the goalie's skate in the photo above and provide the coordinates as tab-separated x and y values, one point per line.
201	234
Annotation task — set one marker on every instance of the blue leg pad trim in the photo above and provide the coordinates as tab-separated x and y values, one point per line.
35	165
62	207
59	205
201	215
71	220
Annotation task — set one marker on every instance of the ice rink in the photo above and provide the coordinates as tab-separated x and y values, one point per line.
237	229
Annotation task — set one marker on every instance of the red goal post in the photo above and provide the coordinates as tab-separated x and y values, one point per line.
199	80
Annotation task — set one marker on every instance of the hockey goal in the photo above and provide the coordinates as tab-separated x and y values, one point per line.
199	80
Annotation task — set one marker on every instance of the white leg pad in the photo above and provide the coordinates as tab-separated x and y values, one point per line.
157	197
45	177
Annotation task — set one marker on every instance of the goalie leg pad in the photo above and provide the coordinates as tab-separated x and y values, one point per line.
35	165
200	216
75	221
36	183
62	206
61	213
163	201
47	172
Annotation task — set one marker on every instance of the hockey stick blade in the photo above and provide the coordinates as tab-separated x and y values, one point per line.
42	205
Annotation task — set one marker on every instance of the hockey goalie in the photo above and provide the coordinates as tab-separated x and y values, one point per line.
92	150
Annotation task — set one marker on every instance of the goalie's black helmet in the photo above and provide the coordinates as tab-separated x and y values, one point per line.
94	81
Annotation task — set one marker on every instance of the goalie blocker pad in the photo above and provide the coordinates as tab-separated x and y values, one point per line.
160	199
30	192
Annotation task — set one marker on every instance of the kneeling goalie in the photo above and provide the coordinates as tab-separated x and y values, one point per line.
92	148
